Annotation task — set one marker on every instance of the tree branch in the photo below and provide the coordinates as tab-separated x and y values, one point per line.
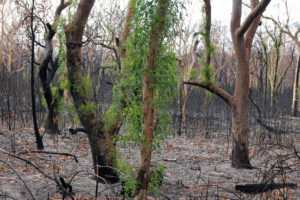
50	152
214	89
251	17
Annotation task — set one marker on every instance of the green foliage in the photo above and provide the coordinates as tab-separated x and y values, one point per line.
62	51
193	74
43	100
64	82
110	117
129	88
127	175
72	110
110	64
165	72
156	178
25	76
60	103
87	109
212	50
83	85
207	74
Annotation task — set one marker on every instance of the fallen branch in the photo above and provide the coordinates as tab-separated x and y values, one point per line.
28	162
41	171
74	131
50	152
263	187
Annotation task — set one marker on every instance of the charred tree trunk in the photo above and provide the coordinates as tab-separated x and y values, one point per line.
52	118
101	143
47	71
39	140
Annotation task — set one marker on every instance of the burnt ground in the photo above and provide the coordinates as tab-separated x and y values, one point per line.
197	165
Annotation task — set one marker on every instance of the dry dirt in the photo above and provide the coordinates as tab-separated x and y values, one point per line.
197	167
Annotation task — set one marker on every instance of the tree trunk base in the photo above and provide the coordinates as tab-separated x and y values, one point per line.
107	176
52	129
242	165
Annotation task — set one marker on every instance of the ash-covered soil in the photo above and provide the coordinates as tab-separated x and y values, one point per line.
198	166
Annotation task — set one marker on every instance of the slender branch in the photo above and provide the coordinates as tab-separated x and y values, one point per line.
60	8
285	29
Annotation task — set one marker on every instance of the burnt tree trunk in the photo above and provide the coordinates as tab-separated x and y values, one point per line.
101	144
47	71
39	140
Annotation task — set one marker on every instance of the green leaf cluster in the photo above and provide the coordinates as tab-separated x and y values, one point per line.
156	178
193	74
129	88
110	117
72	110
87	109
127	175
60	103
206	74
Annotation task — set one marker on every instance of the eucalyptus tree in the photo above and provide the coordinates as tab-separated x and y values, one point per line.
242	36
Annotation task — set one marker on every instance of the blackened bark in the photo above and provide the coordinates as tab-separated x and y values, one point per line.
47	71
39	141
101	143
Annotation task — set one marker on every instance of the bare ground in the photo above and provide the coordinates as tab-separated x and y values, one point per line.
197	167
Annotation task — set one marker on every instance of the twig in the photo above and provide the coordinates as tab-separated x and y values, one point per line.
19	178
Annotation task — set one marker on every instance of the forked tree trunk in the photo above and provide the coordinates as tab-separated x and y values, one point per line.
242	37
101	143
295	102
143	173
47	71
